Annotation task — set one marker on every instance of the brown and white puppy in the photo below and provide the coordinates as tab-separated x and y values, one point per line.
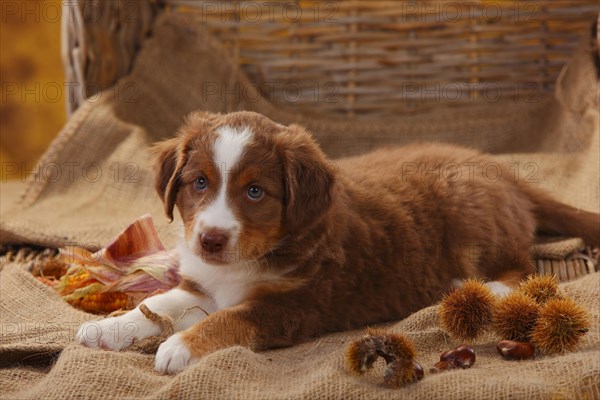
280	244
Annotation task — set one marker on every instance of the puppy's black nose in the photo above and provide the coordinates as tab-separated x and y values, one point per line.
213	242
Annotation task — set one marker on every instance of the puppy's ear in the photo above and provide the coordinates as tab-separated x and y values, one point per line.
308	178
167	165
170	156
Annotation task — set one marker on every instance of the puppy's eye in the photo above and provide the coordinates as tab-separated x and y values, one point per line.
201	183
255	192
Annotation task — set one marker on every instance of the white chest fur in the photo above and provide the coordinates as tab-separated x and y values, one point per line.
228	285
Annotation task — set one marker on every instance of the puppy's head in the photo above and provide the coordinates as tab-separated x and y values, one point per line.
241	183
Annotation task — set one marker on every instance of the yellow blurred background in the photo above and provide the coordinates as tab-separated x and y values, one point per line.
32	109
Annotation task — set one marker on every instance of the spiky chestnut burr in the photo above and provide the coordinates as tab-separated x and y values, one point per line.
467	311
514	316
560	326
398	352
540	287
361	354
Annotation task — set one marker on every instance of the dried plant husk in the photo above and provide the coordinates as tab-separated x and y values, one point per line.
135	263
50	268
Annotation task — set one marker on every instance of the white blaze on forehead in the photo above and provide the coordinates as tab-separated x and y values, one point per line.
229	147
227	150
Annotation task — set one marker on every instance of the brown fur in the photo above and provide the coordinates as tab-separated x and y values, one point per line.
372	238
189	285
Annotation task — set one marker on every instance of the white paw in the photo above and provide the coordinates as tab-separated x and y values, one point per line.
173	356
116	333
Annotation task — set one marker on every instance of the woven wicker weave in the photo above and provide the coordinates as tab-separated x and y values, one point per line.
352	57
99	42
567	259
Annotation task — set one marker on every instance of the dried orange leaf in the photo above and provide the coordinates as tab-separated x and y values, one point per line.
138	240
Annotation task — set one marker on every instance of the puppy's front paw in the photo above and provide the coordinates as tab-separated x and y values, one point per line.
173	356
116	333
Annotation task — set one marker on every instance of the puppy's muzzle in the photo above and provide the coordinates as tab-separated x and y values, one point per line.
213	242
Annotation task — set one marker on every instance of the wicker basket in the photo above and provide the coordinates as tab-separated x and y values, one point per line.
357	58
568	259
351	57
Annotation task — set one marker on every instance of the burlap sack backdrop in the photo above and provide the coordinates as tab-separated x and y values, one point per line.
559	134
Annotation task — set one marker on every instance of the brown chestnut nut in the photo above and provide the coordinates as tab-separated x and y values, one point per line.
460	357
399	373
441	366
512	350
418	370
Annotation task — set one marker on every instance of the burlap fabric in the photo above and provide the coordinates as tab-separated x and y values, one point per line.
110	185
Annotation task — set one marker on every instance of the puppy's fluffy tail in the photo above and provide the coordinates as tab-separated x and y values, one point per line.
557	218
